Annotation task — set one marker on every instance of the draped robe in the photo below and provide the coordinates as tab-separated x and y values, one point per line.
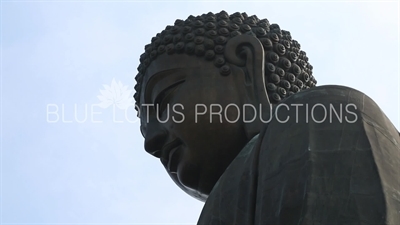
311	170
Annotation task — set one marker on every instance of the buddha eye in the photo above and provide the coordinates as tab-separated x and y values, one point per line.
163	98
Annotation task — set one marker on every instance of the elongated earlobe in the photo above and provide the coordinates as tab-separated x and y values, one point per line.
247	52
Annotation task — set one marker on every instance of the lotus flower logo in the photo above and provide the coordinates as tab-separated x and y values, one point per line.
115	94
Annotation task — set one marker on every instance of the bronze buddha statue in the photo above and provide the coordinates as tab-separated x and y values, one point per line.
229	104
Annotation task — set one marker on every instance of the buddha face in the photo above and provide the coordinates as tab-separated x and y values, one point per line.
194	145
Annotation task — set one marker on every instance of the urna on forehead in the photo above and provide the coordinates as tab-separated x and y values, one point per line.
287	70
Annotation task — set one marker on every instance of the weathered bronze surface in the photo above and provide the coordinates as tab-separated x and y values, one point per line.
229	105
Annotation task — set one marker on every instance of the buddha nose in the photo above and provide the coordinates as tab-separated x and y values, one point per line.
156	136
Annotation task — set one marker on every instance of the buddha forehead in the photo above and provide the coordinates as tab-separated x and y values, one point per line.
168	68
176	61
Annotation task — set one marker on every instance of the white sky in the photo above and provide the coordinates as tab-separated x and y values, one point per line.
62	53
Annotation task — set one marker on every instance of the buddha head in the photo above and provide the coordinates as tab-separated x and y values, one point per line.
194	81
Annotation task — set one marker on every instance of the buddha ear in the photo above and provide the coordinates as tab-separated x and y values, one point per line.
247	52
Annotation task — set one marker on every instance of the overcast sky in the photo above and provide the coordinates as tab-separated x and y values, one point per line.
71	150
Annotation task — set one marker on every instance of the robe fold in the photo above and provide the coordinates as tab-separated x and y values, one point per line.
329	155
